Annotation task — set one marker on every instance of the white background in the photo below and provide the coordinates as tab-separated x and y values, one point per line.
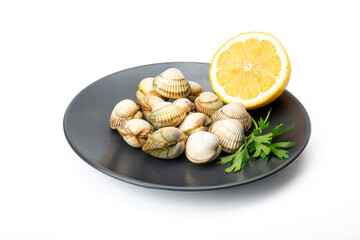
51	50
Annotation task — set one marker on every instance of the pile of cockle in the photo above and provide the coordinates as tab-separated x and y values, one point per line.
197	122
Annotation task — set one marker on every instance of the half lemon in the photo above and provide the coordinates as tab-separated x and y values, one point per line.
252	68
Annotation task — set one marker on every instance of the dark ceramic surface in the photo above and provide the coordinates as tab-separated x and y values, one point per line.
86	127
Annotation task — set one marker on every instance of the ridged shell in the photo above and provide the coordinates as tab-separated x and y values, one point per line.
167	143
166	114
195	90
146	104
234	110
136	131
146	88
171	84
185	104
202	147
230	133
124	111
195	122
208	103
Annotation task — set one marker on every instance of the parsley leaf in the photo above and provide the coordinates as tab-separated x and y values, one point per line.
225	159
278	129
262	124
239	160
279	152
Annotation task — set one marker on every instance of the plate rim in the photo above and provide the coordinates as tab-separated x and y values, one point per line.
181	188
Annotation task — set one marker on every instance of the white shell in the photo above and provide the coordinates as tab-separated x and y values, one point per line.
136	131
146	88
171	84
195	122
195	90
165	114
124	111
167	143
202	147
208	103
234	110
146	104
185	104
230	133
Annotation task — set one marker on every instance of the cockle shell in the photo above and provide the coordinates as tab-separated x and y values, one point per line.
146	88
124	111
185	104
208	103
230	133
234	110
195	90
202	147
146	104
171	84
167	143
136	131
165	114
195	122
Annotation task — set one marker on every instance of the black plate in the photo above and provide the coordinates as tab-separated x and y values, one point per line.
86	127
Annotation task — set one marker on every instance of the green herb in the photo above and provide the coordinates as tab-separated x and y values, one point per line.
259	145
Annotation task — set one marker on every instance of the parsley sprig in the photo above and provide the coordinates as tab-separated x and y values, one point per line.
259	145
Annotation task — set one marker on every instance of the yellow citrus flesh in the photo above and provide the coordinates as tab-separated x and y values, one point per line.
252	68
